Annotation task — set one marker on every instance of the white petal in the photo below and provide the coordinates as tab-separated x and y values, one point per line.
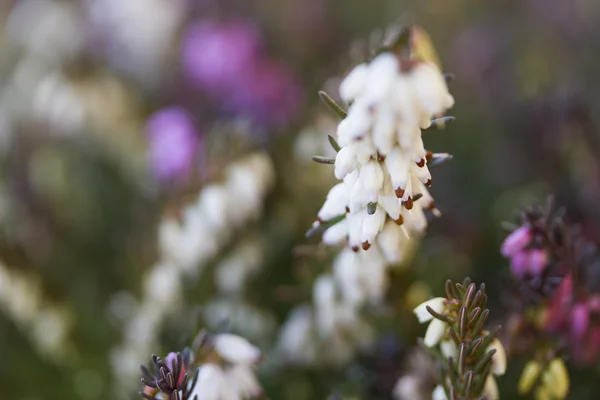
391	205
430	89
398	167
345	161
408	387
354	82
383	71
355	222
372	225
365	150
371	180
357	123
499	358
384	134
335	203
393	243
236	349
415	219
490	389
210	384
435	332
324	290
242	380
437	304
336	233
439	393
448	349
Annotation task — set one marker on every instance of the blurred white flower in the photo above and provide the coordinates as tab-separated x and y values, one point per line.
137	36
236	349
439	393
49	30
499	358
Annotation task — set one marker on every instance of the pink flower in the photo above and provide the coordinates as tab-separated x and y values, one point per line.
516	241
538	260
580	320
519	263
173	143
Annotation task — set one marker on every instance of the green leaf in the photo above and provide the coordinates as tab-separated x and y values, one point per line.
335	107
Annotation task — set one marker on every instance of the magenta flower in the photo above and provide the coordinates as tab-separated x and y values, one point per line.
173	143
226	60
216	56
516	241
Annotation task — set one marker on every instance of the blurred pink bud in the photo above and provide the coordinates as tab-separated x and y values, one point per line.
580	320
594	303
519	263
538	260
171	361
516	241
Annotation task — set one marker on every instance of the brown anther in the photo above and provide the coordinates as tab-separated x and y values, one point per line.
421	163
431	206
408	204
429	155
380	157
355	249
399	220
319	220
399	192
428	183
347	209
366	245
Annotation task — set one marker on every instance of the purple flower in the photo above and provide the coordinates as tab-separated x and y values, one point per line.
519	263
516	241
226	61
270	97
538	259
216	56
580	320
173	143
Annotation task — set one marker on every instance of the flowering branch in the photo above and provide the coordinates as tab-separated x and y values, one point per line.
469	355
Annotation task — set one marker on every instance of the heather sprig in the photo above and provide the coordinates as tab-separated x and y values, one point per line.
469	356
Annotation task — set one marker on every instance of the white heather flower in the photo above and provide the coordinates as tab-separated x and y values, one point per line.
325	304
242	380
296	343
408	387
437	304
394	244
436	329
211	384
236	349
382	149
490	388
439	393
435	332
448	349
499	358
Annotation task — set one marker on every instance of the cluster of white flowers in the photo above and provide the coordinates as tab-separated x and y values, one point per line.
382	165
327	334
186	248
232	379
142	33
382	162
47	325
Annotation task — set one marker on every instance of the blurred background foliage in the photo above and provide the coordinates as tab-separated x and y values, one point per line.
84	183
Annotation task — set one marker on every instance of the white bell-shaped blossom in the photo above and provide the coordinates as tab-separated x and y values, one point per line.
236	349
436	329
